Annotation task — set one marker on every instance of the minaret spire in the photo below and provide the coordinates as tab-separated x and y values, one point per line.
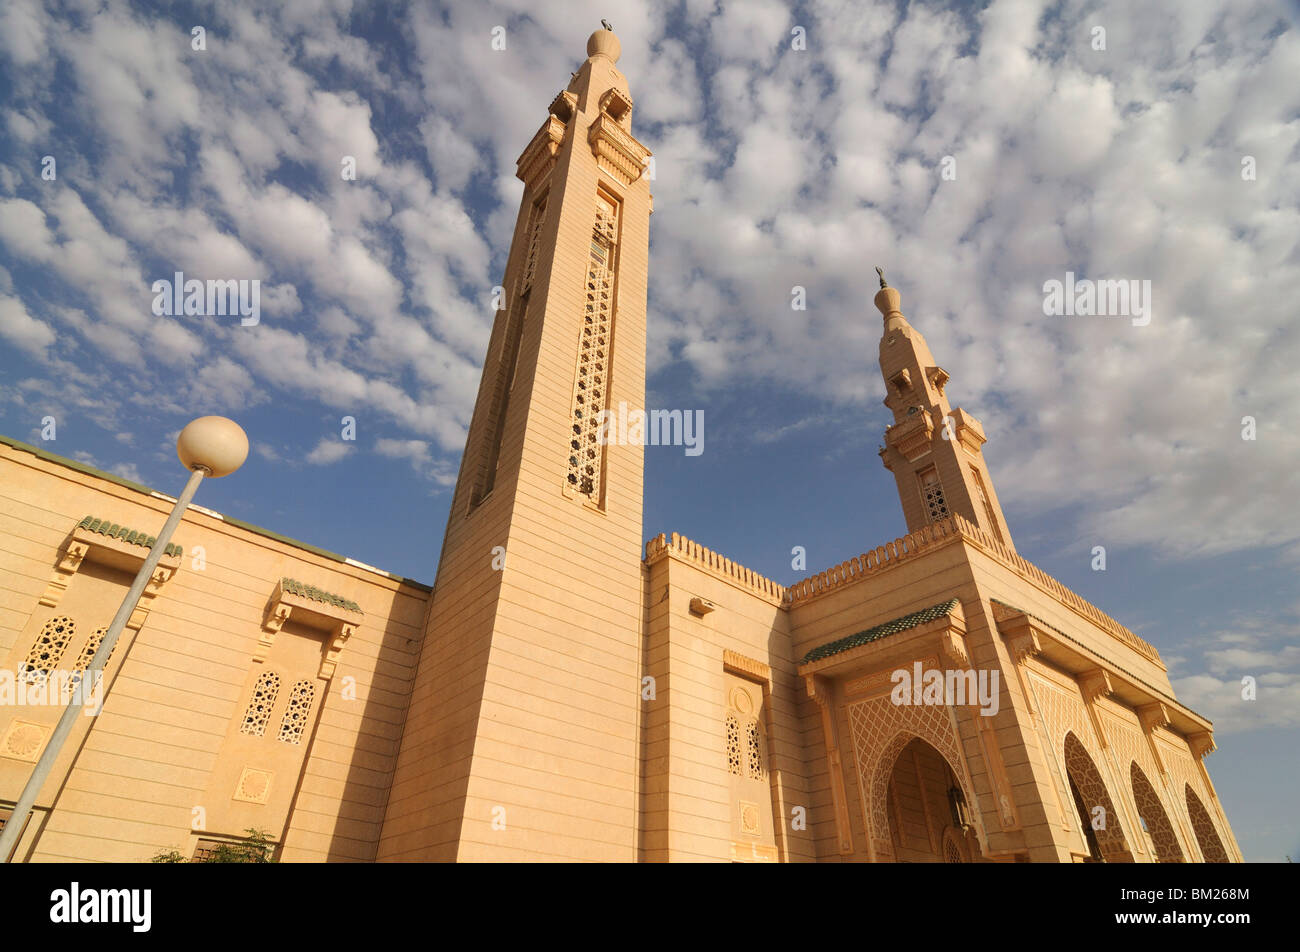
933	450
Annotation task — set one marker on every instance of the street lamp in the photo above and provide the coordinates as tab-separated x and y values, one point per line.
208	446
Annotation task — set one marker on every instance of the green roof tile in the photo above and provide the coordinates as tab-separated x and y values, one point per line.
130	536
881	631
295	587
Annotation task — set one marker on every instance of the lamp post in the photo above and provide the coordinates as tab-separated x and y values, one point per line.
208	446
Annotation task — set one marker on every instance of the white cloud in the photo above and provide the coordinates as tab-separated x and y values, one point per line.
23	330
327	451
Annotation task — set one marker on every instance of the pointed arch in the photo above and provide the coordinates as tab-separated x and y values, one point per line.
1153	814
878	795
1203	827
1099	816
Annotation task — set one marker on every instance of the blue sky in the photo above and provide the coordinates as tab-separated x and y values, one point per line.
775	167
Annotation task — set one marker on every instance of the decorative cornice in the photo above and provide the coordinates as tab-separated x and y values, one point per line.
740	664
564	105
616	151
912	438
1095	683
1201	744
107	543
314	608
538	157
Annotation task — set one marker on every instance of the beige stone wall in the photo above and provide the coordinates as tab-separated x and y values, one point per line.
179	696
688	810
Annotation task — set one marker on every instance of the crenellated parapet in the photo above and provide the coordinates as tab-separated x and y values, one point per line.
944	532
663	545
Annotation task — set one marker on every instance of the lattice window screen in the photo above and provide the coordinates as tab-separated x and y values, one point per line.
50	645
296	711
932	494
87	655
589	391
756	767
734	764
259	706
534	244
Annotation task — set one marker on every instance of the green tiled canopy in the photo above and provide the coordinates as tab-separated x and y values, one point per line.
881	631
131	536
294	587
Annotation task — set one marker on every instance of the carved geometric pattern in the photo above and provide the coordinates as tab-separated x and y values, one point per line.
734	764
87	655
1062	712
1153	814
952	851
593	356
534	243
23	740
880	730
1092	790
1208	838
265	692
254	786
50	645
1183	773
296	711
1131	748
754	765
932	492
749	818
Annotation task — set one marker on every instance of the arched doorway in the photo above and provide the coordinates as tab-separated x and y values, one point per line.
1206	836
929	818
1092	803
1153	815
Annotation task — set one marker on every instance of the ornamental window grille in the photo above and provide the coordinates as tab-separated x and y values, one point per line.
590	390
754	764
534	245
50	645
296	711
265	691
87	655
734	764
952	852
936	507
494	426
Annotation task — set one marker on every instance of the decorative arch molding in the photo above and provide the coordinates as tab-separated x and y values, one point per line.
1081	768
1207	837
880	730
1153	812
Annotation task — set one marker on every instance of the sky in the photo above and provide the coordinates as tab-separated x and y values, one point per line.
976	151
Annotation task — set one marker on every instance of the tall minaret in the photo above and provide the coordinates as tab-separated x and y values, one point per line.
933	451
521	738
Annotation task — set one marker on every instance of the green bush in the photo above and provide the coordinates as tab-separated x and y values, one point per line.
258	848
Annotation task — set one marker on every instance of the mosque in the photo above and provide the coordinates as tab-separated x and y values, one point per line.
566	690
